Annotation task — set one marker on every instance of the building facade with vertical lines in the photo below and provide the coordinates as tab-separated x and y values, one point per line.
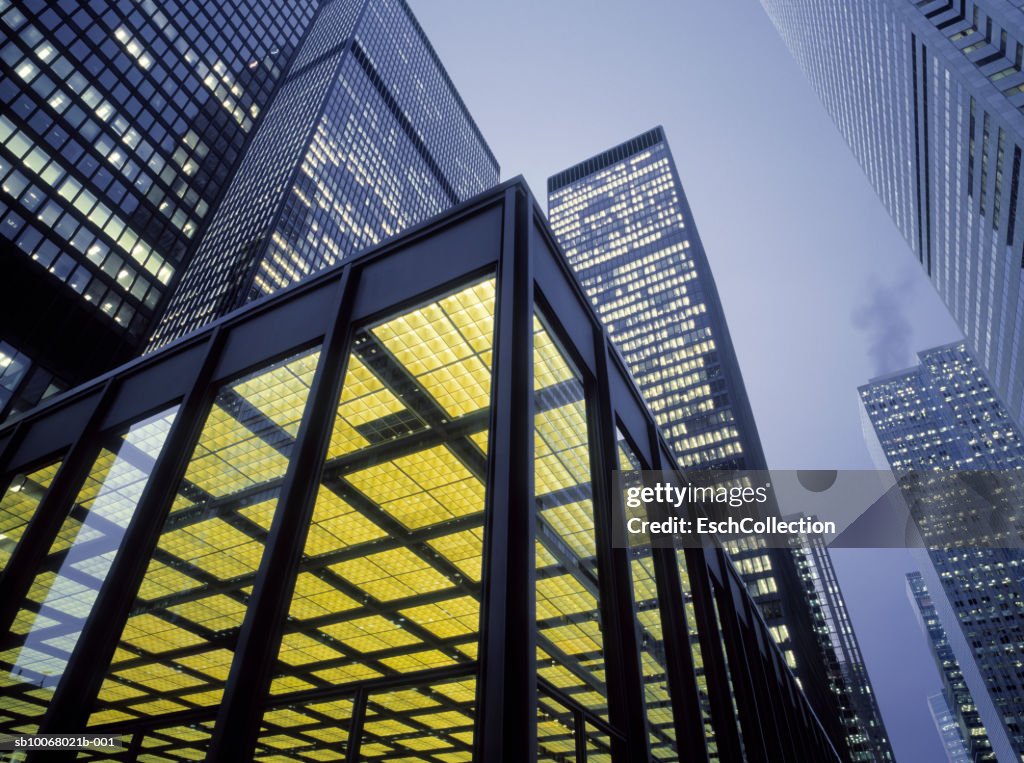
930	97
943	416
366	137
625	225
954	709
122	123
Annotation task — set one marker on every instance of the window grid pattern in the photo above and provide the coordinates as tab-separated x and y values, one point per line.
121	124
373	140
943	415
930	98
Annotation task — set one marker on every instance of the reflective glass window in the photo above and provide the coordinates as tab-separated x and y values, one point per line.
64	590
176	648
650	635
570	647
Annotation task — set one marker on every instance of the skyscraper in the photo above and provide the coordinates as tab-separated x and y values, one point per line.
942	415
866	737
955	699
366	137
929	96
121	125
627	230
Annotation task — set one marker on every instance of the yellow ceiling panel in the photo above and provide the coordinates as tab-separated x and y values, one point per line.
416	511
460	388
446	619
261	513
215	663
433	468
430	658
463	549
288	684
461	498
370	634
299	649
383	482
218	612
348	673
155	634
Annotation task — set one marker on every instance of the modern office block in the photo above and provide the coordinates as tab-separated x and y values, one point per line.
942	416
866	737
380	532
627	230
366	137
121	125
929	96
967	727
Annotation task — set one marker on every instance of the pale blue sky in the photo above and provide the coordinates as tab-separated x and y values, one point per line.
800	246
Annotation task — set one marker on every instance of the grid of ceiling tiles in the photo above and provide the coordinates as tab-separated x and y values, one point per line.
556	735
176	647
19	504
570	649
661	725
50	620
389	579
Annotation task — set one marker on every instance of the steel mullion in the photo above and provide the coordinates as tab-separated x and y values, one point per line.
506	728
238	721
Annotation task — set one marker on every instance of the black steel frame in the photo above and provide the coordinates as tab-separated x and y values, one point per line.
503	232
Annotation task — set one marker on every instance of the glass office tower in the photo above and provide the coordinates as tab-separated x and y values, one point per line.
964	726
866	737
366	137
380	532
626	228
929	95
942	415
121	125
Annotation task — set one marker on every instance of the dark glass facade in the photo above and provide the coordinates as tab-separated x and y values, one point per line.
366	137
380	532
626	228
942	415
122	123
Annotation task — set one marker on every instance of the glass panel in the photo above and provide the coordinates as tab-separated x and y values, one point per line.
701	678
432	723
650	636
389	581
599	746
176	648
176	743
50	621
19	504
556	731
314	731
570	647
